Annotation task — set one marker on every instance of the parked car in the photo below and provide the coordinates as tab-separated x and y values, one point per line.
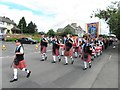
27	40
2	38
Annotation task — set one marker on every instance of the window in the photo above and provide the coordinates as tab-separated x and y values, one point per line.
1	23
8	31
8	24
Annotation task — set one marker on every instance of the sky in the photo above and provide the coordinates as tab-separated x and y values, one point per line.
54	14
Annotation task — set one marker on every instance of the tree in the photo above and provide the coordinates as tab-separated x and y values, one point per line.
112	17
31	28
22	25
51	32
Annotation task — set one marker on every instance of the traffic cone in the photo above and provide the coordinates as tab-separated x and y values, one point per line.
3	47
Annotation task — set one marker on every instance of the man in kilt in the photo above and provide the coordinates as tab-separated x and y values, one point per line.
86	54
19	62
43	44
55	49
68	50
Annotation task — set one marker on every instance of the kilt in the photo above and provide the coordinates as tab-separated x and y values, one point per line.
62	46
77	49
21	65
55	52
43	49
88	59
69	53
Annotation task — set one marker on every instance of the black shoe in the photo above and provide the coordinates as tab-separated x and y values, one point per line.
45	58
66	64
62	55
92	59
42	60
90	65
59	59
79	56
28	75
13	80
53	61
72	62
84	68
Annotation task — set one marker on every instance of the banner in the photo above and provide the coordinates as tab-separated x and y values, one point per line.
93	29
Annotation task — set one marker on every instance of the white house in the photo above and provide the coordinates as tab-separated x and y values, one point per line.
74	28
7	26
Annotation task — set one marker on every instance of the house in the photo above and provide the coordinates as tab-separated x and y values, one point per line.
8	26
74	29
59	30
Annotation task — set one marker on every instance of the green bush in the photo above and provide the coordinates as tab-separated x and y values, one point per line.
37	38
11	39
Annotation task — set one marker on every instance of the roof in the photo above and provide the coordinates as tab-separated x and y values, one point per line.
70	26
7	20
15	28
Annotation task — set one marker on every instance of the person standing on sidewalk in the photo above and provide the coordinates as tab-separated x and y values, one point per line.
19	62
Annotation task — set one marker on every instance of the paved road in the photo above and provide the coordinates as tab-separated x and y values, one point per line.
103	74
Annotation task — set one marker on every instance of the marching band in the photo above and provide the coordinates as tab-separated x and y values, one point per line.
85	49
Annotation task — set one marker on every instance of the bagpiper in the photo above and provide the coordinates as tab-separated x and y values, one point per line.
55	49
43	44
68	50
19	62
86	54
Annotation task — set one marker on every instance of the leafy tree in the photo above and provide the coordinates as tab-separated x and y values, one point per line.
112	17
22	25
31	28
51	32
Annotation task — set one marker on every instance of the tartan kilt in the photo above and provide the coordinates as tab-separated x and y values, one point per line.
77	49
43	49
69	53
21	65
55	52
62	46
88	59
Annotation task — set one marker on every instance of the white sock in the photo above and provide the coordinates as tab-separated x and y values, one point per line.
62	52
59	57
85	64
90	63
42	56
26	70
75	54
71	58
66	61
45	55
54	58
15	73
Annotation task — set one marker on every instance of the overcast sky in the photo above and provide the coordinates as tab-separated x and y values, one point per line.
54	14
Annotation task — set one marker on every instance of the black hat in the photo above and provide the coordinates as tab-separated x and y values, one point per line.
17	41
42	33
